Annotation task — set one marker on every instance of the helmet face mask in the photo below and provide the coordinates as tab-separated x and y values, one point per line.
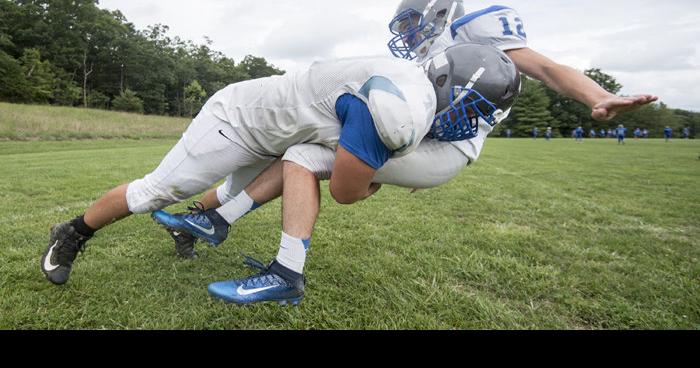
460	120
473	83
410	33
418	23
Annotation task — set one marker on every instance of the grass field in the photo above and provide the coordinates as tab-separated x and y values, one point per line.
32	122
536	235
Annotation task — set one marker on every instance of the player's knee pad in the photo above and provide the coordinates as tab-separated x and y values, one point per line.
313	157
143	197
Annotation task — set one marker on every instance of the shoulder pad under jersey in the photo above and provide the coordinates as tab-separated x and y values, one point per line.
400	114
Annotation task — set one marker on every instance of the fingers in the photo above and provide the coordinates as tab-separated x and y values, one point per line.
600	114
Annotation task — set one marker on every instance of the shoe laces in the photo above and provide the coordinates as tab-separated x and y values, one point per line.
197	208
262	279
69	248
197	213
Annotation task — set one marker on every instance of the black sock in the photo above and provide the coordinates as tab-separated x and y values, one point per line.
82	228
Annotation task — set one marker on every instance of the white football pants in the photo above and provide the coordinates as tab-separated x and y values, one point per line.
209	150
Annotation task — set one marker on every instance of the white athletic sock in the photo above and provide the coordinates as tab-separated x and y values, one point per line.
237	207
292	253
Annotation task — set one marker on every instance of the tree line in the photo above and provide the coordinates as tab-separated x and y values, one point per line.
71	52
541	107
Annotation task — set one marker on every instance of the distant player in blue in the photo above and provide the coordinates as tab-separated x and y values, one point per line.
645	133
637	134
603	134
548	134
610	133
686	133
621	133
535	132
592	133
668	132
509	133
578	133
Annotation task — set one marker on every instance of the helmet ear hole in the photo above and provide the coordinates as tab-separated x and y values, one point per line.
441	80
442	13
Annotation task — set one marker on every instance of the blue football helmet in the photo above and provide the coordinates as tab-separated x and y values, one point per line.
471	82
417	23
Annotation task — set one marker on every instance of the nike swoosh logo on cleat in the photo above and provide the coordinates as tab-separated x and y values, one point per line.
47	262
243	291
211	231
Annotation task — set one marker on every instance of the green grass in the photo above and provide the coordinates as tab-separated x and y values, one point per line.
32	122
536	235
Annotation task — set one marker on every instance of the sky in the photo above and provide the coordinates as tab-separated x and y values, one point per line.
648	46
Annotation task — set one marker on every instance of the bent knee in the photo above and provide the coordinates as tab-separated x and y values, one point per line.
143	197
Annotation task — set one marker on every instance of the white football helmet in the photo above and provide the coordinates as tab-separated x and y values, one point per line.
417	23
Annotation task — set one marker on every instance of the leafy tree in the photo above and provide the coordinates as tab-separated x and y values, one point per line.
91	49
98	100
128	101
530	110
257	67
39	75
13	84
194	97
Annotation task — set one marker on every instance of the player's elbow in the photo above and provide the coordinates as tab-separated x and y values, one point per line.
343	197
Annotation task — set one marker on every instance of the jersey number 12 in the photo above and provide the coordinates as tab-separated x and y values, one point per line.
508	31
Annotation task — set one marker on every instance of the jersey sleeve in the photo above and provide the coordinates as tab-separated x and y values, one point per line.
359	136
497	25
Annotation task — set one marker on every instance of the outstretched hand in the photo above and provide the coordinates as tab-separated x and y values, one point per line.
614	105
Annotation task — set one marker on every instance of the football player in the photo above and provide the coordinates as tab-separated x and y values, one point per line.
282	281
376	108
621	133
668	133
422	29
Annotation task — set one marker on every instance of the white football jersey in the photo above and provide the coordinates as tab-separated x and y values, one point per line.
272	114
498	26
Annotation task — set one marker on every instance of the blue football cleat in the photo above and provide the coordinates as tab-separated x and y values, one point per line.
206	225
275	283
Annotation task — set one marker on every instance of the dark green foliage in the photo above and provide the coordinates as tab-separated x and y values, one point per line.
77	48
531	110
128	101
194	97
13	85
98	100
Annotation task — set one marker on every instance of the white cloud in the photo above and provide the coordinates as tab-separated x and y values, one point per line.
650	46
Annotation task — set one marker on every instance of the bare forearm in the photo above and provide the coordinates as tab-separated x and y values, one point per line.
576	85
573	84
